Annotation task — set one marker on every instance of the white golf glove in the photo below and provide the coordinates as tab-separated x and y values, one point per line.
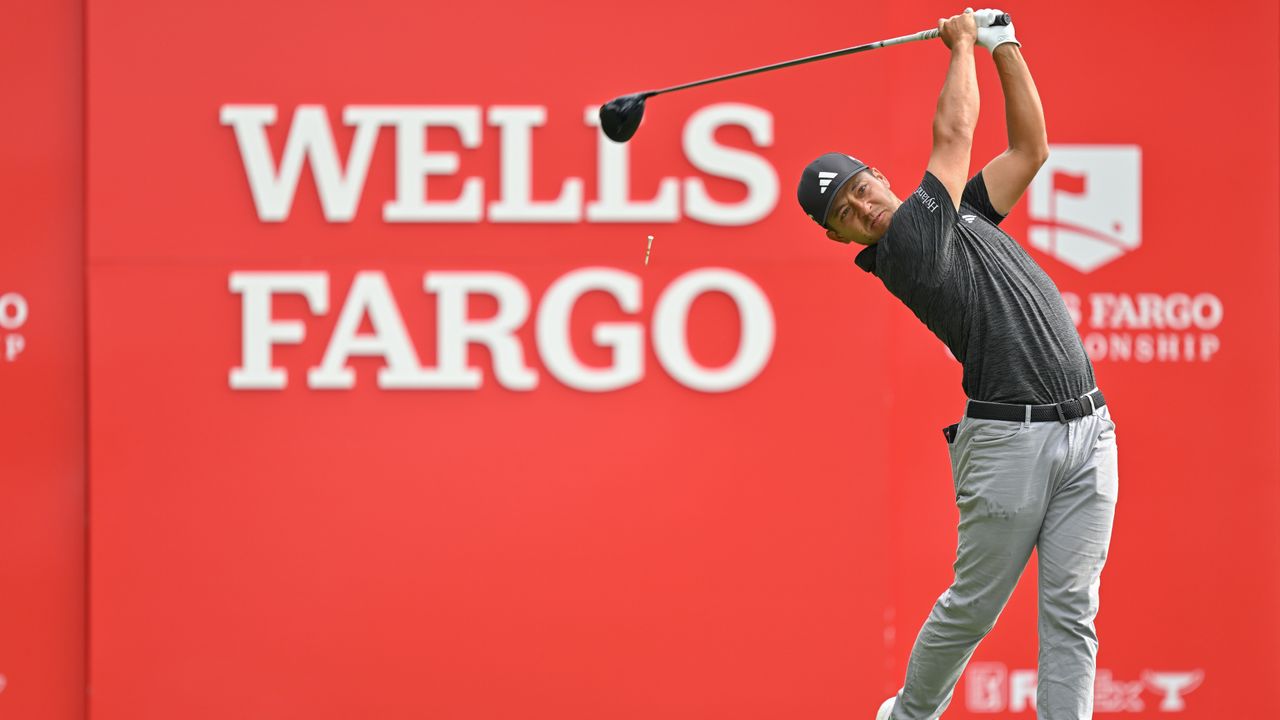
992	36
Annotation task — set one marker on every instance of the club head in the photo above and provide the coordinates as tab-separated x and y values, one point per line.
620	117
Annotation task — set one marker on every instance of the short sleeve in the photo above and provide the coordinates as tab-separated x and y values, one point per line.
975	196
919	240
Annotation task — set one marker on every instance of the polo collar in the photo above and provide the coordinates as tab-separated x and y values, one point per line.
867	259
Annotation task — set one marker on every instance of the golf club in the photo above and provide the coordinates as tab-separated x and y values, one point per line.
620	117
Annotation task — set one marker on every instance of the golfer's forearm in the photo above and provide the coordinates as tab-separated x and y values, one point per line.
1023	113
957	113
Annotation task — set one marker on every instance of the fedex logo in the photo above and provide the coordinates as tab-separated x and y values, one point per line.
993	687
1086	204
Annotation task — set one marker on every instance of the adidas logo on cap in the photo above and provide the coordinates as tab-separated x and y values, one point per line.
824	179
829	170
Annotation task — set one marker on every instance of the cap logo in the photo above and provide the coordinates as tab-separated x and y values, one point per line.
824	179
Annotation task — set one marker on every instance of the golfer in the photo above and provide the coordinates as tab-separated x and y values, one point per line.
1034	456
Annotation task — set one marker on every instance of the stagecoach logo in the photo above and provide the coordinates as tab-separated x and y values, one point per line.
993	688
1086	204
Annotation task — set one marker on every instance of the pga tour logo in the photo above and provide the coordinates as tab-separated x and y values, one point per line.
1086	204
992	687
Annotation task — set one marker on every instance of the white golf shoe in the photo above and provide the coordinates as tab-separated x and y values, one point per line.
886	708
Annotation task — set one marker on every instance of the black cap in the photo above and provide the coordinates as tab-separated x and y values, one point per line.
820	181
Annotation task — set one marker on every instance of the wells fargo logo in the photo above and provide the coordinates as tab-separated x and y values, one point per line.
273	180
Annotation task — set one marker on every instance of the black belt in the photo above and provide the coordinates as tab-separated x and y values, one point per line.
1067	411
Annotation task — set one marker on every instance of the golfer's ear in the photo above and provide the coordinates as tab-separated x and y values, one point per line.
831	235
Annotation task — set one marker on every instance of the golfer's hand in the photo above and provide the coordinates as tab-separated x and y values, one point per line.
993	36
985	16
958	31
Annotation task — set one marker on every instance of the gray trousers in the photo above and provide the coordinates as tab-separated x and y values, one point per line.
1045	485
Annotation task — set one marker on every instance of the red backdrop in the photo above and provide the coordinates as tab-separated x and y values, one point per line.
527	548
42	368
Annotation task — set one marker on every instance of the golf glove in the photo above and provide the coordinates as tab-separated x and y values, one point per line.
992	36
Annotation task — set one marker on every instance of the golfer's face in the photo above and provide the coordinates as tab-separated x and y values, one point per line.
863	208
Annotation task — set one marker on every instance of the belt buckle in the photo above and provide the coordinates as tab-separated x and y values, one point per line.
1062	417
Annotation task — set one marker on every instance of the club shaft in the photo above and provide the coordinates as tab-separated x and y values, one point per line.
923	35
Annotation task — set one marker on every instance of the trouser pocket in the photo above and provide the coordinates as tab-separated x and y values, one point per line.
950	432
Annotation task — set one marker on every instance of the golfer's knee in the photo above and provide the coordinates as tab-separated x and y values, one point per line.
1069	611
971	617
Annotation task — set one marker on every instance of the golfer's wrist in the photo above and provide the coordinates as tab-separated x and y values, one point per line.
1007	49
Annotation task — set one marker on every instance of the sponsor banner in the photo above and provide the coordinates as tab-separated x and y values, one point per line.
1085	205
572	547
371	300
42	455
995	688
1085	210
396	410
